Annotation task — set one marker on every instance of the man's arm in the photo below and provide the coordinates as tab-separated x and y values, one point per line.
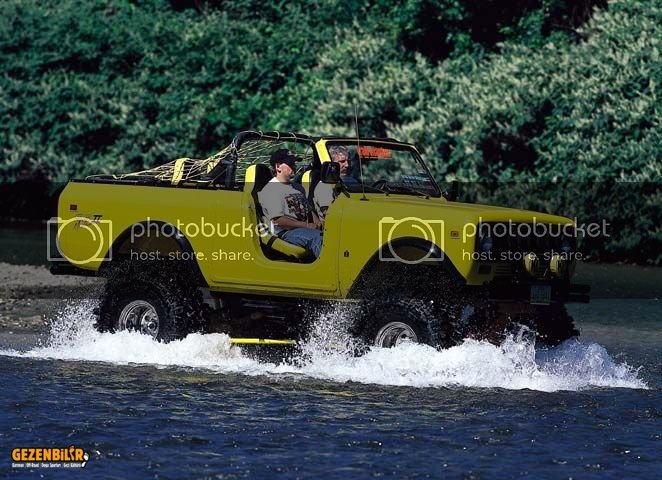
323	198
288	222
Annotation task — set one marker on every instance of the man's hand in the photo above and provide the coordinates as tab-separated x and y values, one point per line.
317	222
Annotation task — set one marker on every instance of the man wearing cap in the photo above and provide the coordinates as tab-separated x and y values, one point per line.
290	215
325	194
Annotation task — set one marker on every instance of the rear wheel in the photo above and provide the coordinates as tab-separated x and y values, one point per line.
158	299
140	316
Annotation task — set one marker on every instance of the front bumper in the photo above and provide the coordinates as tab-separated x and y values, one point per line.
521	291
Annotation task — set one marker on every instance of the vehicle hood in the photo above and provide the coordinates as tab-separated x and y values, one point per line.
435	208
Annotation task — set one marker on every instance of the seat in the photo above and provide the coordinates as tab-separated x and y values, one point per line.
274	247
262	176
310	180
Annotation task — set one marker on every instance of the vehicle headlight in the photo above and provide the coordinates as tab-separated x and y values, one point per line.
531	263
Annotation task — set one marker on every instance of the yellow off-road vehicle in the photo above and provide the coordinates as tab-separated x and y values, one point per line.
185	247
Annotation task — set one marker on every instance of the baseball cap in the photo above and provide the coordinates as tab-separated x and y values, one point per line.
284	156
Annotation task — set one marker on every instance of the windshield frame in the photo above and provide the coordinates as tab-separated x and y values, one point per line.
393	145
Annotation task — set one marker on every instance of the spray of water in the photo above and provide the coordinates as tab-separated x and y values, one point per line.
329	354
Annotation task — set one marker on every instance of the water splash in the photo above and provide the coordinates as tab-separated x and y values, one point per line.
329	355
74	337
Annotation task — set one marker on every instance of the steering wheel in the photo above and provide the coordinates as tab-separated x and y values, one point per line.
381	184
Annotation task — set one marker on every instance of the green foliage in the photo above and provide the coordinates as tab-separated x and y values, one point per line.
547	104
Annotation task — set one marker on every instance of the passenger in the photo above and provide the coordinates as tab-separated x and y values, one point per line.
325	194
290	215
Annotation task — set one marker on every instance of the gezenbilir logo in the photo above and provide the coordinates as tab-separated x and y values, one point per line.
49	457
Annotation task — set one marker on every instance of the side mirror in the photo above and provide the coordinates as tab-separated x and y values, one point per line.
454	192
330	173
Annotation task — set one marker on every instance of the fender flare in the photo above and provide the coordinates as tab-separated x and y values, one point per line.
434	253
179	238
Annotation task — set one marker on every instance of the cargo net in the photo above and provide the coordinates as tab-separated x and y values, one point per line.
189	170
255	151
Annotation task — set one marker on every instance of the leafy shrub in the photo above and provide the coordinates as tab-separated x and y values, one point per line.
546	104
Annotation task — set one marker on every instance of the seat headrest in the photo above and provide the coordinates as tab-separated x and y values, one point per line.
263	176
314	180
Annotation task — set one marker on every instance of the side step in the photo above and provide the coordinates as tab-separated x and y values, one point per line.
260	341
266	350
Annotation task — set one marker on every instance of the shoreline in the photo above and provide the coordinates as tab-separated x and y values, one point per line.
31	297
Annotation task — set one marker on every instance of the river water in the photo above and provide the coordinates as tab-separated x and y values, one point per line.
199	408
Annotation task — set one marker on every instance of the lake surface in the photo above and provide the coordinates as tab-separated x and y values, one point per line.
199	408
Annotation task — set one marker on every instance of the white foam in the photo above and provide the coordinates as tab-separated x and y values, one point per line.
515	364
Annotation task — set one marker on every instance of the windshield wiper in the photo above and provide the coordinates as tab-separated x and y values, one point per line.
358	188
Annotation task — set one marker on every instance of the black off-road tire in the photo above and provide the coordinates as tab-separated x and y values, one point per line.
555	325
387	323
550	324
406	291
167	288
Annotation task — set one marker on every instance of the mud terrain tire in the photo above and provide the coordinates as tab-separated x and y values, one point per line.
555	325
388	323
552	325
156	298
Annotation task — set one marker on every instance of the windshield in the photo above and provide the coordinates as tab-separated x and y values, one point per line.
379	167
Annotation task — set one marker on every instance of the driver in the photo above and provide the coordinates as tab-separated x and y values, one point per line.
325	194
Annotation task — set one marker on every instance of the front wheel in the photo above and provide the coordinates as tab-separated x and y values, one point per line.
390	323
395	333
550	324
554	325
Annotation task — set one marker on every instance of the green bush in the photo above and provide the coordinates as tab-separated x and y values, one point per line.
545	104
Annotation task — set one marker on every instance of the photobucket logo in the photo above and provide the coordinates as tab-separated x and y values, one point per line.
87	239
158	229
392	231
535	228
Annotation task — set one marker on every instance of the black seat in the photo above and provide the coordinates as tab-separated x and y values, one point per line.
314	180
263	176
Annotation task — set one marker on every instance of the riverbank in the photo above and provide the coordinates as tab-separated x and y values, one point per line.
30	296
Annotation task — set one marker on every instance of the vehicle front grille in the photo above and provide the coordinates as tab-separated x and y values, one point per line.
504	269
517	238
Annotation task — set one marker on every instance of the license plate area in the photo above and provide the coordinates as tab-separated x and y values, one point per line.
541	294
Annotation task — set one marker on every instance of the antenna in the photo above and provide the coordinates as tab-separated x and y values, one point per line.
358	148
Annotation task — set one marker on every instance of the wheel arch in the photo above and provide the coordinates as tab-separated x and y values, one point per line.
147	238
385	259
